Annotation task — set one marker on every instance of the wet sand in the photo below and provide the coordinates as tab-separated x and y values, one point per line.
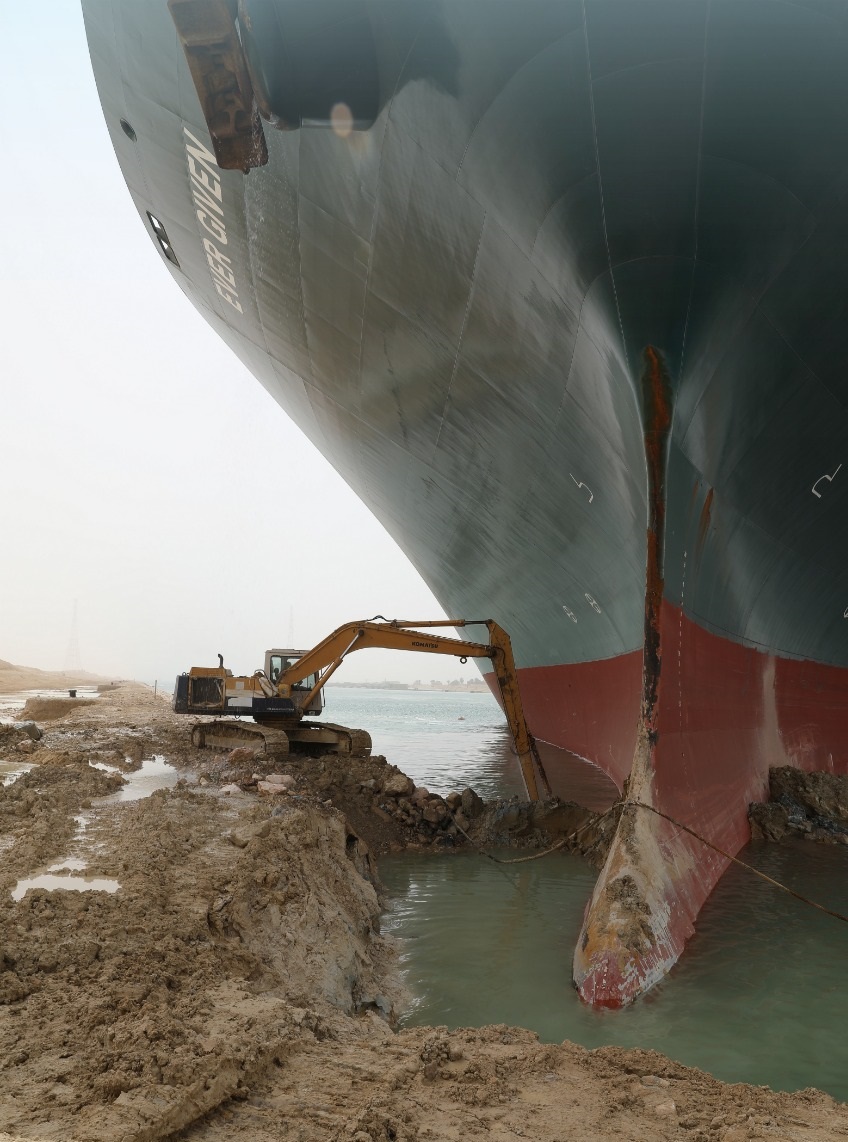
236	984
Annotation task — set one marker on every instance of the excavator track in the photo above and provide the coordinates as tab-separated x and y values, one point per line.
232	735
316	738
269	736
357	742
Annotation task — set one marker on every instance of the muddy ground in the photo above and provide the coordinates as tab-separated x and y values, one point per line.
237	986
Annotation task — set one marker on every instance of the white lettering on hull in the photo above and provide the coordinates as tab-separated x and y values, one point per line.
209	199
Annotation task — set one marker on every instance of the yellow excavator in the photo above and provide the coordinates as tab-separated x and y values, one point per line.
289	688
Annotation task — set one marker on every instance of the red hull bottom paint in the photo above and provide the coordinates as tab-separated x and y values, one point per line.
590	709
726	713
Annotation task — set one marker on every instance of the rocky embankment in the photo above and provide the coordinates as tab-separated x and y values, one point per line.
390	812
810	805
226	978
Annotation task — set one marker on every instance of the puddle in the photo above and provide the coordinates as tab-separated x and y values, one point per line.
155	773
106	768
52	882
10	771
73	864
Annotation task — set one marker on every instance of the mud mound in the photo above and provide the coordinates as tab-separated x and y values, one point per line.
231	937
49	709
20	737
812	805
500	1083
37	813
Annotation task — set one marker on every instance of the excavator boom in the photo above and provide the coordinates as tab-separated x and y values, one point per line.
279	702
406	634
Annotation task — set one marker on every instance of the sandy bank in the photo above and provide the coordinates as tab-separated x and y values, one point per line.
14	678
237	986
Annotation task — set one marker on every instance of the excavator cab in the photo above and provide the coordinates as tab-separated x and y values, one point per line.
276	662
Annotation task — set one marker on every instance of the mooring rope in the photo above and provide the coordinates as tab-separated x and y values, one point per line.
736	860
546	852
624	806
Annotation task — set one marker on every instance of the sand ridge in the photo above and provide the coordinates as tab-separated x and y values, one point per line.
14	678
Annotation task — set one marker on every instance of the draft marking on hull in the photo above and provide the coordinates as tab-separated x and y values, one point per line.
828	478
580	484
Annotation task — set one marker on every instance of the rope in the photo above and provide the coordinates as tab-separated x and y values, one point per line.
736	860
545	852
657	812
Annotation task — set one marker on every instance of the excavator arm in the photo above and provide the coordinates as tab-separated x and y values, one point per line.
403	634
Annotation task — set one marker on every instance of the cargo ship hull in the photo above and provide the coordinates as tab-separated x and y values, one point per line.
566	308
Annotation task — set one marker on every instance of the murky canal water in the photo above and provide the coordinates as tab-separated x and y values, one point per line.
760	995
442	740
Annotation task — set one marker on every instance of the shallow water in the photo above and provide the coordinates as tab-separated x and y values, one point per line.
10	771
52	882
155	773
757	997
443	740
446	740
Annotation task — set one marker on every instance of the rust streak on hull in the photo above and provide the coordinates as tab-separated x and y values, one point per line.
623	946
657	417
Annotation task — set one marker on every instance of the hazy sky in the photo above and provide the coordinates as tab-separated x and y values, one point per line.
131	433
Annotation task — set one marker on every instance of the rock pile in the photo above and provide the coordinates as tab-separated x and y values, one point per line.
811	805
20	737
387	809
367	788
432	817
